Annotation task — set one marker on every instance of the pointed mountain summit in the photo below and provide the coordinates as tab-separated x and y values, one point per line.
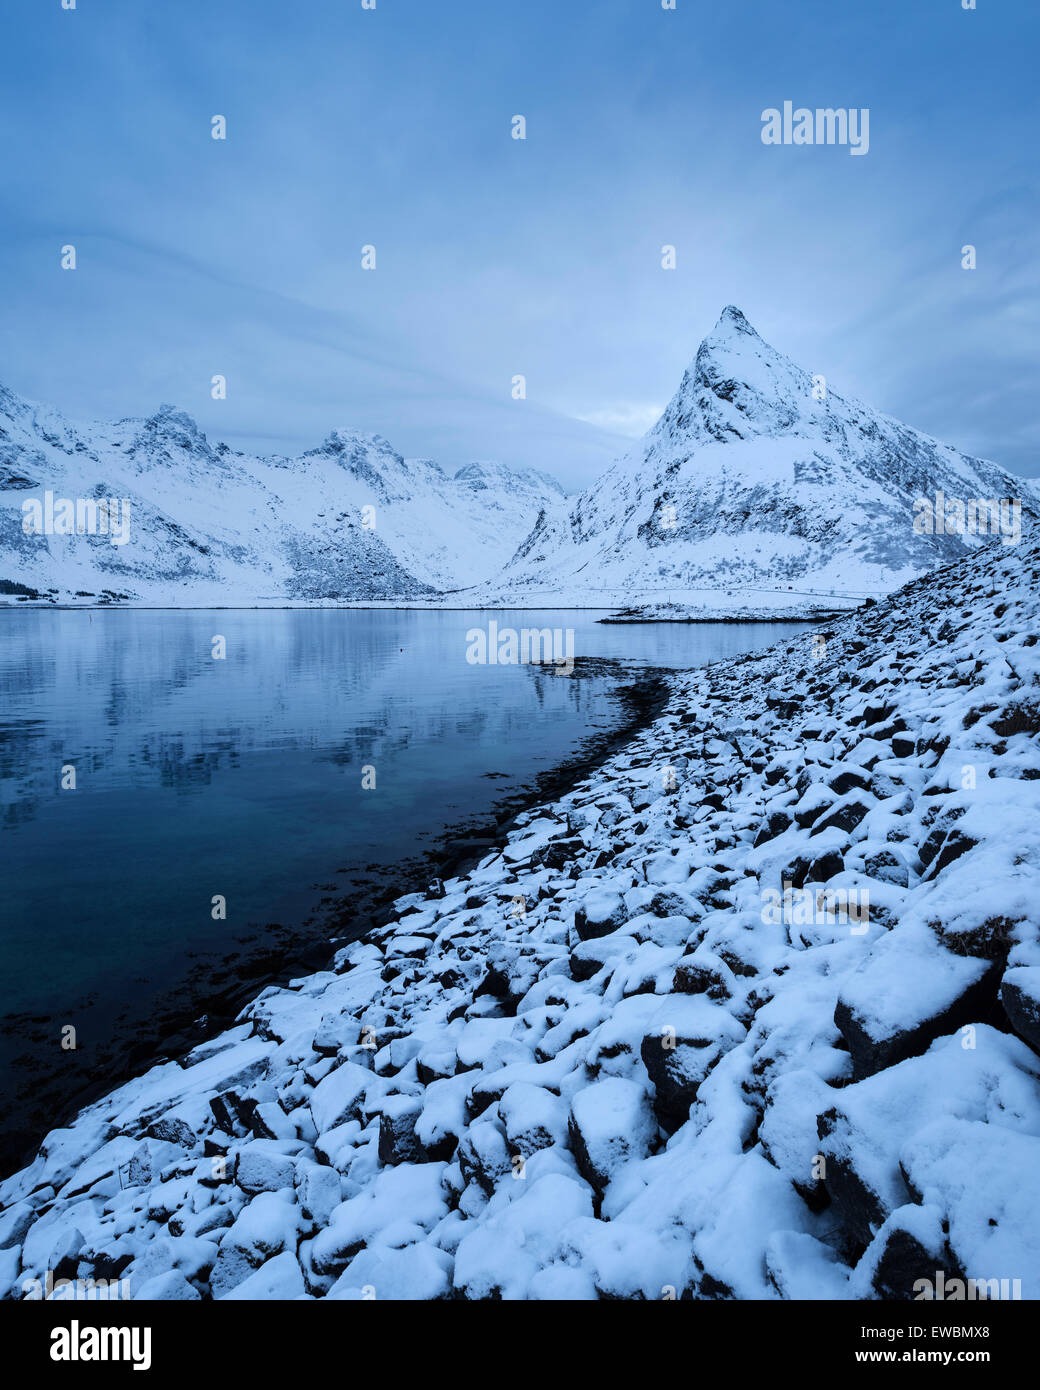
737	386
758	488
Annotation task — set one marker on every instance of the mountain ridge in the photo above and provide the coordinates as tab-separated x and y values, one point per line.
756	477
759	489
347	520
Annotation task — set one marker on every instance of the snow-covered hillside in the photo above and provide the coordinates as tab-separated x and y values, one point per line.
760	489
751	492
350	519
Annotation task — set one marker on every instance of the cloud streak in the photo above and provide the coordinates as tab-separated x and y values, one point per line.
499	257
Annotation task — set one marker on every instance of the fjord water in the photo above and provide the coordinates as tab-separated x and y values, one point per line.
243	778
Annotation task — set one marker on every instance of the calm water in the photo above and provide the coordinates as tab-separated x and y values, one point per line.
243	777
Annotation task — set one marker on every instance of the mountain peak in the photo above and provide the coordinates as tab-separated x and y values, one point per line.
737	386
762	483
170	428
735	319
733	333
351	446
485	474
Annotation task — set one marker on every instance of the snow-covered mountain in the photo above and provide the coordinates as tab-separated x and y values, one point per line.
350	519
751	491
759	489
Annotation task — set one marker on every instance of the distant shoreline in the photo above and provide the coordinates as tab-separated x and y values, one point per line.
742	618
780	616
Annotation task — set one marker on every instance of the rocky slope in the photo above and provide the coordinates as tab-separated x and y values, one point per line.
750	492
639	1052
209	525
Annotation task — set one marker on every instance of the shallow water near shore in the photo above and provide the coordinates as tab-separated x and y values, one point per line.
250	779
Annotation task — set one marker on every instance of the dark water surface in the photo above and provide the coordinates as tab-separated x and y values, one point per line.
243	778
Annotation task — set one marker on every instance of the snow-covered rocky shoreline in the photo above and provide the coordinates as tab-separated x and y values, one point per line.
605	1063
803	610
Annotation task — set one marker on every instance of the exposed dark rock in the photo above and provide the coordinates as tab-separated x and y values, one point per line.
956	996
826	866
845	814
601	913
397	1141
1020	996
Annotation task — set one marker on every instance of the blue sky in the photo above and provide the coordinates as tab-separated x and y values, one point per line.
495	257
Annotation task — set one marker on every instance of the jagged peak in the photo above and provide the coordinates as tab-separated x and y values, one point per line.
481	472
480	468
737	386
735	336
344	438
171	423
169	427
173	415
732	321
